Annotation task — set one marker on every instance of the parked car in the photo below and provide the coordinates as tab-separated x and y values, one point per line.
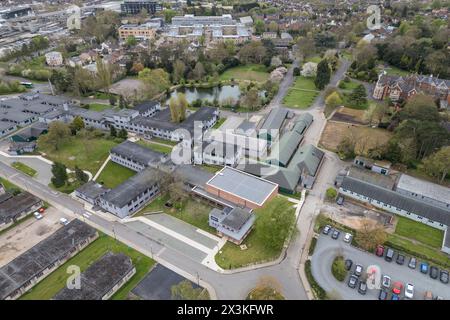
439	298
335	234
352	281
400	259
383	295
409	291
340	200
348	237
362	289
38	216
379	251
64	221
395	297
389	255
348	264
412	263
41	210
397	287
424	267
358	270
326	229
386	282
443	276
434	272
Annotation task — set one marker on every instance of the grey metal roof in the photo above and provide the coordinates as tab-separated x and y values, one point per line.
84	113
195	176
12	207
243	185
236	218
5	125
145	106
131	188
41	256
275	119
380	180
99	278
425	188
16	116
397	200
137	153
92	189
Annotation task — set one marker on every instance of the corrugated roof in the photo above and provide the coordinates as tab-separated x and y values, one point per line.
284	149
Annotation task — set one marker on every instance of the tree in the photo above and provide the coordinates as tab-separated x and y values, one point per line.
331	194
168	15
155	81
112	100
253	52
199	71
346	148
306	47
420	107
185	291
122	134
370	235
267	288
323	75
173	108
104	74
259	27
358	97
76	125
112	131
178	106
179	69
273	26
59	172
296	71
58	133
309	69
131	41
333	100
80	175
438	164
251	99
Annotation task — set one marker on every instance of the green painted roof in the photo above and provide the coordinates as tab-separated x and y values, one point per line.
303	122
307	158
284	149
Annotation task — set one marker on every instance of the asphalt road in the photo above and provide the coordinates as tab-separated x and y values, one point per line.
326	250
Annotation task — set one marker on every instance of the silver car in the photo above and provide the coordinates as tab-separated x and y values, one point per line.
412	263
386	282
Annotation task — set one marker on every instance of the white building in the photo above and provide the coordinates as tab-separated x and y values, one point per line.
54	59
217	153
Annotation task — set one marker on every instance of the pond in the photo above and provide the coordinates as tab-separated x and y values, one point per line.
221	94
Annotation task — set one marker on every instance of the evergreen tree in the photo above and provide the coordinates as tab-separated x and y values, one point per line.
112	131
323	75
59	172
123	134
81	176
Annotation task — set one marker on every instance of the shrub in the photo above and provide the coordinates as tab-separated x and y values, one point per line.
331	194
312	246
318	291
338	268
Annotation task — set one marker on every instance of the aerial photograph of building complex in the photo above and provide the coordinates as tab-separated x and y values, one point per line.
228	150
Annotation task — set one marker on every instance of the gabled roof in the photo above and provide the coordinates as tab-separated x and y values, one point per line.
308	158
284	149
137	153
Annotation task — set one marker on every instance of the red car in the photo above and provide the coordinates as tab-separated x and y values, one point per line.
397	287
380	250
41	210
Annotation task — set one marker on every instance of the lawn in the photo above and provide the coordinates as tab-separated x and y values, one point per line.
351	85
192	211
114	174
9	186
366	138
56	281
155	146
211	168
99	106
24	168
249	72
219	123
302	94
84	152
419	231
315	59
394	71
231	256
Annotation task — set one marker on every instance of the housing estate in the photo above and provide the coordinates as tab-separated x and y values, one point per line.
101	279
28	269
401	88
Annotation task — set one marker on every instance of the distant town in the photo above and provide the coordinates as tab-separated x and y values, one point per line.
224	150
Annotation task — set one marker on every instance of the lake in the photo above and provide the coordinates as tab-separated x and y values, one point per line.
216	93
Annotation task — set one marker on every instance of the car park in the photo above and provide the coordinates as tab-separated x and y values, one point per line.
397	287
424	267
348	237
348	264
326	229
38	216
400	259
443	276
340	200
335	234
386	282
389	255
383	295
362	289
379	251
409	291
434	272
358	270
412	263
352	281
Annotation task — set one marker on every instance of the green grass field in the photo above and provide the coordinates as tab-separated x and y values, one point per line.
114	174
155	147
394	71
52	284
315	59
219	123
348	85
99	106
250	72
302	93
419	232
24	168
231	256
87	154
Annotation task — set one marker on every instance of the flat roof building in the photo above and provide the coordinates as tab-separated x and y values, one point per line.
233	223
241	188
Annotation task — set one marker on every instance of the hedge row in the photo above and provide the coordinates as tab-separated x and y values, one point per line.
319	292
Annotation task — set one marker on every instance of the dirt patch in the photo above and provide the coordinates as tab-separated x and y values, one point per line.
365	138
350	116
41	230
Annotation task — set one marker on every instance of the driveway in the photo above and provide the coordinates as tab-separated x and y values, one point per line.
326	250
